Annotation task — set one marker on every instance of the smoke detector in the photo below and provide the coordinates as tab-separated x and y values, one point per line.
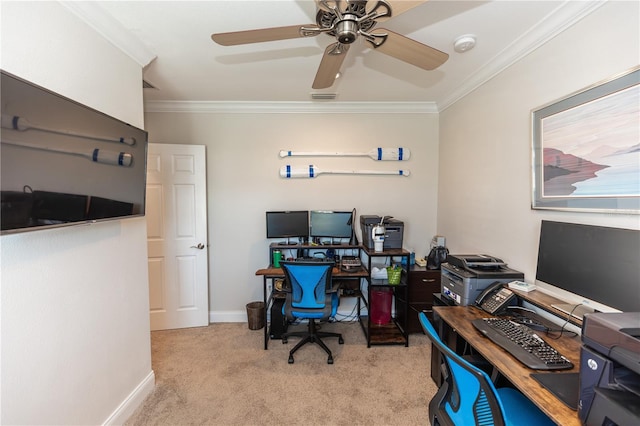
464	43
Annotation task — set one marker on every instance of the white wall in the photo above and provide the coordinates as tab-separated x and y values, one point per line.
75	325
243	182
485	139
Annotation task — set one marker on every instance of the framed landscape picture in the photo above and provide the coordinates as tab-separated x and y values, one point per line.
586	149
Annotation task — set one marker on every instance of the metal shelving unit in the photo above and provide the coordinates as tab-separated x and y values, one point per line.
395	331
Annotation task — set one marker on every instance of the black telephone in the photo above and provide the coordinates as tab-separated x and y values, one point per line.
495	298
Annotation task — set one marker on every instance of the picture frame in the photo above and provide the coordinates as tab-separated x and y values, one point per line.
586	149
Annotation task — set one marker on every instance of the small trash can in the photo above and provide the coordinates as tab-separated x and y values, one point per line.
381	306
255	315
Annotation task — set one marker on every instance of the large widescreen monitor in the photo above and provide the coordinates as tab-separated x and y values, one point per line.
598	264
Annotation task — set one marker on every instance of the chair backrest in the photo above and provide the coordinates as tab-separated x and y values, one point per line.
471	398
309	289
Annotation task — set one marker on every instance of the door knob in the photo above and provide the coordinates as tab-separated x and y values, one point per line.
200	246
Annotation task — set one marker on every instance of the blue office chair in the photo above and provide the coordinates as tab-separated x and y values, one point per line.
468	397
311	296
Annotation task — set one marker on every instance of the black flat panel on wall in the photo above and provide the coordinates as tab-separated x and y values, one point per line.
64	163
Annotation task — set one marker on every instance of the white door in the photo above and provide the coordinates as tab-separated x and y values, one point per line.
176	213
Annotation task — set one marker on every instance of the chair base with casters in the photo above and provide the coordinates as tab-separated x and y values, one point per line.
469	397
312	335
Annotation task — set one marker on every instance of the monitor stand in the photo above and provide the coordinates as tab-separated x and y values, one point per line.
573	309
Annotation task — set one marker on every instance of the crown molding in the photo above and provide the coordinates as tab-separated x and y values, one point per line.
109	28
292	107
561	18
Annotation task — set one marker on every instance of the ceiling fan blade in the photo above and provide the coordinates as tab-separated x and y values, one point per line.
330	65
408	50
398	7
262	35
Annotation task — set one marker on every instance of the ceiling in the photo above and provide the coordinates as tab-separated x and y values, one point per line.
172	41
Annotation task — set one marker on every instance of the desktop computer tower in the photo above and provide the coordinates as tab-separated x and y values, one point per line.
278	324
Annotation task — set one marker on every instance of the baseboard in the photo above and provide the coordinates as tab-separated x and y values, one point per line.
227	316
133	401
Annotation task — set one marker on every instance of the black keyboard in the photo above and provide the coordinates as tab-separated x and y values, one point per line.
522	343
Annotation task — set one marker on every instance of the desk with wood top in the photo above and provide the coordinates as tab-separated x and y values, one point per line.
455	321
272	272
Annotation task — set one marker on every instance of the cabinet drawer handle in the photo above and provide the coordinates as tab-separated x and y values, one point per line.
428	280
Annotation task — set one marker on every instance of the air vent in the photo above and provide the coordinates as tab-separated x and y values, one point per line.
147	85
324	96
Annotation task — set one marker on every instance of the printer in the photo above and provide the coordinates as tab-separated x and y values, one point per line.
610	369
394	231
465	276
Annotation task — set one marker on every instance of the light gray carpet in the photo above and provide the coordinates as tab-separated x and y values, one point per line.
221	375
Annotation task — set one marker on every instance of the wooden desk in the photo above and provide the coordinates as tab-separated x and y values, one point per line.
459	318
271	272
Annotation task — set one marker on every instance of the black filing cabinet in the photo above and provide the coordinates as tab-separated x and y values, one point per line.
423	283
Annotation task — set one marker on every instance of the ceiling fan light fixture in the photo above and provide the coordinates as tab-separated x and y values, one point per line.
464	43
347	29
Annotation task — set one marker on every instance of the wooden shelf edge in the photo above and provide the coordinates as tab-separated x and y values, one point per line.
544	301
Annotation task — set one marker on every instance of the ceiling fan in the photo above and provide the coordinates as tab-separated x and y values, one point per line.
346	21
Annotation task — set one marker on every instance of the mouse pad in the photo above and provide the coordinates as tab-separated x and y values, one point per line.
564	386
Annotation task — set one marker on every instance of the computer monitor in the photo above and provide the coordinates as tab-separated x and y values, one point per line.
598	264
288	224
331	224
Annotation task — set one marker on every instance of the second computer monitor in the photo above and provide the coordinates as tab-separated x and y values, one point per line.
330	224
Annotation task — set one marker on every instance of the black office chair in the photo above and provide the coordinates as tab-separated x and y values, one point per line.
311	296
468	397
